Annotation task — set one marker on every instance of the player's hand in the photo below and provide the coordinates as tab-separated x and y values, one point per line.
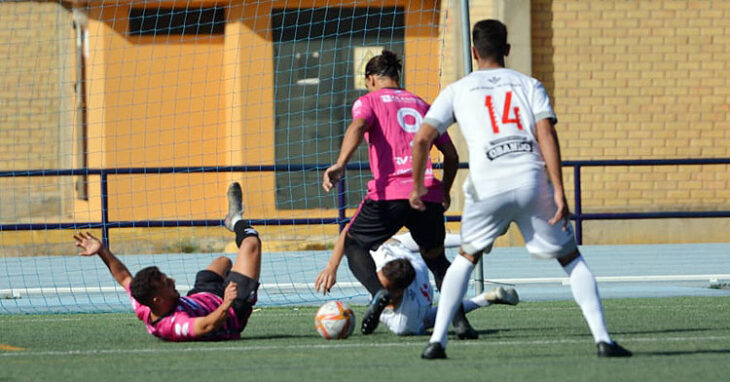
415	197
230	293
447	202
88	243
332	175
326	279
562	213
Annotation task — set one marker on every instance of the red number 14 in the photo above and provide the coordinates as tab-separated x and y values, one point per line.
505	113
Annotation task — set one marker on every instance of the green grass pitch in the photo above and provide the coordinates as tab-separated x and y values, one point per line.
673	339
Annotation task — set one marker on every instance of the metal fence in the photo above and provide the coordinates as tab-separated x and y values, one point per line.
578	216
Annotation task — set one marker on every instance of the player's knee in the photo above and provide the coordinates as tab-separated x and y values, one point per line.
224	262
567	259
250	245
353	248
472	257
433	253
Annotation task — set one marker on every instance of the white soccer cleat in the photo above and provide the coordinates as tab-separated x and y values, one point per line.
235	206
502	295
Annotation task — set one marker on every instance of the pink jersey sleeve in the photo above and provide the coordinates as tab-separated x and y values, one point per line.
362	109
178	326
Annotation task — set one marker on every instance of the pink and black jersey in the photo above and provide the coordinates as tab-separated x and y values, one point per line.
393	117
178	325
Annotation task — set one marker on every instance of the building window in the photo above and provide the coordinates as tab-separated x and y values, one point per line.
176	21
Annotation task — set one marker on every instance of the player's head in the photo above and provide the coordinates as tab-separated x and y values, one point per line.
151	287
490	41
397	275
385	66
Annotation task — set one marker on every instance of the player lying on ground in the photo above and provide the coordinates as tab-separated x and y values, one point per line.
221	301
514	175
388	117
403	273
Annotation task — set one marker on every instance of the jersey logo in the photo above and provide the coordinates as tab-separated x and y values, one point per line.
402	160
508	146
386	98
493	80
409	119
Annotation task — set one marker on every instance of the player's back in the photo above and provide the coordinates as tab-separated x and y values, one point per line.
393	117
497	111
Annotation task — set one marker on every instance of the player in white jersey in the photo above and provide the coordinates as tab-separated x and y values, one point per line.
402	271
411	311
514	175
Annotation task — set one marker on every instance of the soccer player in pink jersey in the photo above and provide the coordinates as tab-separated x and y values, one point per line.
388	117
221	301
514	175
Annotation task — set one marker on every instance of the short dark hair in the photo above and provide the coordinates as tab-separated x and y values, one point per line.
490	39
400	272
386	64
144	285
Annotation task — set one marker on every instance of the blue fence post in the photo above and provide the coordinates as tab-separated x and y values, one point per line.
578	212
104	210
341	202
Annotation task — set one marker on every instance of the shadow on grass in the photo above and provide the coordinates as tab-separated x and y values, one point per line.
678	330
275	336
685	352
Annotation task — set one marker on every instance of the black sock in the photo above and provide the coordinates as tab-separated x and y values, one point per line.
362	266
243	230
438	266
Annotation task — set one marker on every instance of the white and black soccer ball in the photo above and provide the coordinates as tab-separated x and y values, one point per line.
334	320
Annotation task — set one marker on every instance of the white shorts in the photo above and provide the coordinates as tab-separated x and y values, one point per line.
531	208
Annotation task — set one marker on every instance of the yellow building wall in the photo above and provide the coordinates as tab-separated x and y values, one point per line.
641	80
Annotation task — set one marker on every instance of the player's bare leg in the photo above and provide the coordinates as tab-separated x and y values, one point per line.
221	266
248	259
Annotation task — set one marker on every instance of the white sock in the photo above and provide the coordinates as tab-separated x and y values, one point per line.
478	300
453	288
469	305
585	293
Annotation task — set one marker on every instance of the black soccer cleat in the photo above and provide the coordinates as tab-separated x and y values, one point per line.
371	318
433	350
612	350
462	327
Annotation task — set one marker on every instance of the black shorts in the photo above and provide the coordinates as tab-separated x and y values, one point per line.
377	220
209	281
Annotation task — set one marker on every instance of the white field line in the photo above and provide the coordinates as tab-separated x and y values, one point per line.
19	292
336	345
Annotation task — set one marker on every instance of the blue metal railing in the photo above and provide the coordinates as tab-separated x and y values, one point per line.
105	224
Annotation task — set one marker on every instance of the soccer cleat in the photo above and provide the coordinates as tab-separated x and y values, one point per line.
501	295
371	318
612	350
462	327
235	206
433	350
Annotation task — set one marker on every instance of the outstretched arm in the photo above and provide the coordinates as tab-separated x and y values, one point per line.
547	138
90	246
214	320
327	277
451	166
421	144
353	136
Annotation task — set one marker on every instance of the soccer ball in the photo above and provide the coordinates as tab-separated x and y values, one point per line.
334	320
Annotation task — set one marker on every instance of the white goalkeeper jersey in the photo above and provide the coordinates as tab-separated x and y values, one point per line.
496	110
408	316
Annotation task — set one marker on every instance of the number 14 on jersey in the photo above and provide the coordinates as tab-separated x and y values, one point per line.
506	119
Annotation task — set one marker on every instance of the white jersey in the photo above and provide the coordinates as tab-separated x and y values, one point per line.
408	316
497	110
